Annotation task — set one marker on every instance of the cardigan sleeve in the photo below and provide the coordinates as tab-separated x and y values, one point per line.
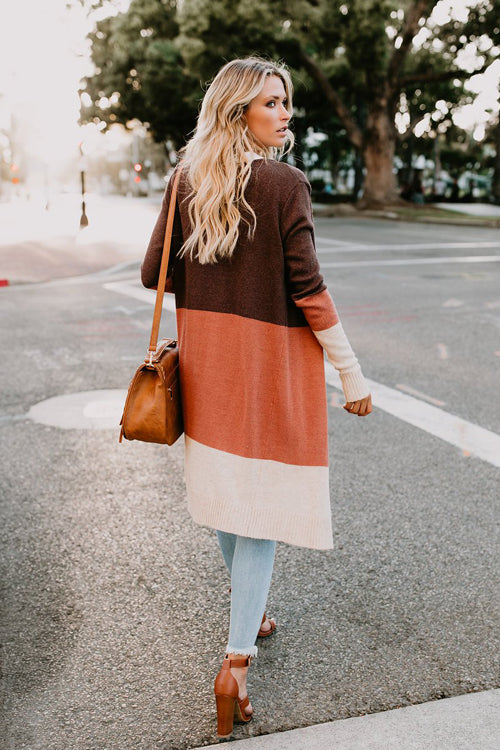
297	231
150	268
309	292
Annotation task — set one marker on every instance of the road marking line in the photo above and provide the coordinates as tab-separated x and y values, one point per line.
336	243
413	261
12	417
442	351
129	289
354	247
87	410
336	400
468	437
419	394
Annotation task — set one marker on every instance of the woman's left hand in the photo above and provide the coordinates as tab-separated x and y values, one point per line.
361	408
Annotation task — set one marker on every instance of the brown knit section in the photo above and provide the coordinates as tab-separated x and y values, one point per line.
265	276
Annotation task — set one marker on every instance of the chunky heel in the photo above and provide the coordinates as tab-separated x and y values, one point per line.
229	707
265	633
226	707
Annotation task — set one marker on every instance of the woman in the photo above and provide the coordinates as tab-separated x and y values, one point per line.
253	318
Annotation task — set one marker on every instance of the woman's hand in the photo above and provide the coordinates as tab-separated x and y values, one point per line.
361	408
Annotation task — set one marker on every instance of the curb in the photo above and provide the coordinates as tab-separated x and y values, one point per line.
325	211
464	722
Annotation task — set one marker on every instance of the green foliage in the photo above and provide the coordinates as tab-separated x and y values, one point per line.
349	61
139	67
365	41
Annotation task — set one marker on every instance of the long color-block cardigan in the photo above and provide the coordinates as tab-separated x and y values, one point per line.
251	335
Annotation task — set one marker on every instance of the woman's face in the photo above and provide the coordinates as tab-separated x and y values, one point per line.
266	115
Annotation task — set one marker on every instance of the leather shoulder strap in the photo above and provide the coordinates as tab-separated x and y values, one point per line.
162	278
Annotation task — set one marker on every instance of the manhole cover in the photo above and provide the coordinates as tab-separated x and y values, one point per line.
88	410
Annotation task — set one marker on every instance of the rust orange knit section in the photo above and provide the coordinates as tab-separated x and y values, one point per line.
319	310
252	388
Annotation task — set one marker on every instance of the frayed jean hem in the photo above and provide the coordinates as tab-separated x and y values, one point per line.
249	651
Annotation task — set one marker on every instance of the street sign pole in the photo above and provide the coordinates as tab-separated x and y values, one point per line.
84	221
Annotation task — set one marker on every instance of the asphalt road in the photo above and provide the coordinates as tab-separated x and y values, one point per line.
116	608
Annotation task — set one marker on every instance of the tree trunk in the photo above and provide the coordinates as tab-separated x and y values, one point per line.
380	186
358	175
437	160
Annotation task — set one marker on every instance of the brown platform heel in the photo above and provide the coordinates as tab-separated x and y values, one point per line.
265	633
229	707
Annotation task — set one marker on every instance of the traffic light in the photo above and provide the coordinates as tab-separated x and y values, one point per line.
14	168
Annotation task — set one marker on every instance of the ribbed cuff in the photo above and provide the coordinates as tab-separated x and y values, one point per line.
354	385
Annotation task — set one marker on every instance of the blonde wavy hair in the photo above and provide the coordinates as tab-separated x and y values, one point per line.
215	161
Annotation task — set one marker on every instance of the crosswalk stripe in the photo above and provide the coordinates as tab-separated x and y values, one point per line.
470	438
412	261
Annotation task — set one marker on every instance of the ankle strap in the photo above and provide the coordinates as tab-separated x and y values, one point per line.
243	662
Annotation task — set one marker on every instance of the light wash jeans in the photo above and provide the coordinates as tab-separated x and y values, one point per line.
250	565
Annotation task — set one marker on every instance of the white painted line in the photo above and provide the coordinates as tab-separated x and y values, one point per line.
442	351
88	410
12	417
335	243
355	247
469	437
413	261
129	289
336	400
419	394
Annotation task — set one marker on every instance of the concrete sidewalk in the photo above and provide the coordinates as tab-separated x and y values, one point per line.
38	245
467	722
472	209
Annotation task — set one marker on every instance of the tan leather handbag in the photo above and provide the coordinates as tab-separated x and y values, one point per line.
153	409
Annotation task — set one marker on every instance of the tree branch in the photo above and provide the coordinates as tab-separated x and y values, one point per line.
352	128
443	76
417	10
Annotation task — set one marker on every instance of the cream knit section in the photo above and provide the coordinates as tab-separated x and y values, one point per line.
340	354
251	155
269	499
